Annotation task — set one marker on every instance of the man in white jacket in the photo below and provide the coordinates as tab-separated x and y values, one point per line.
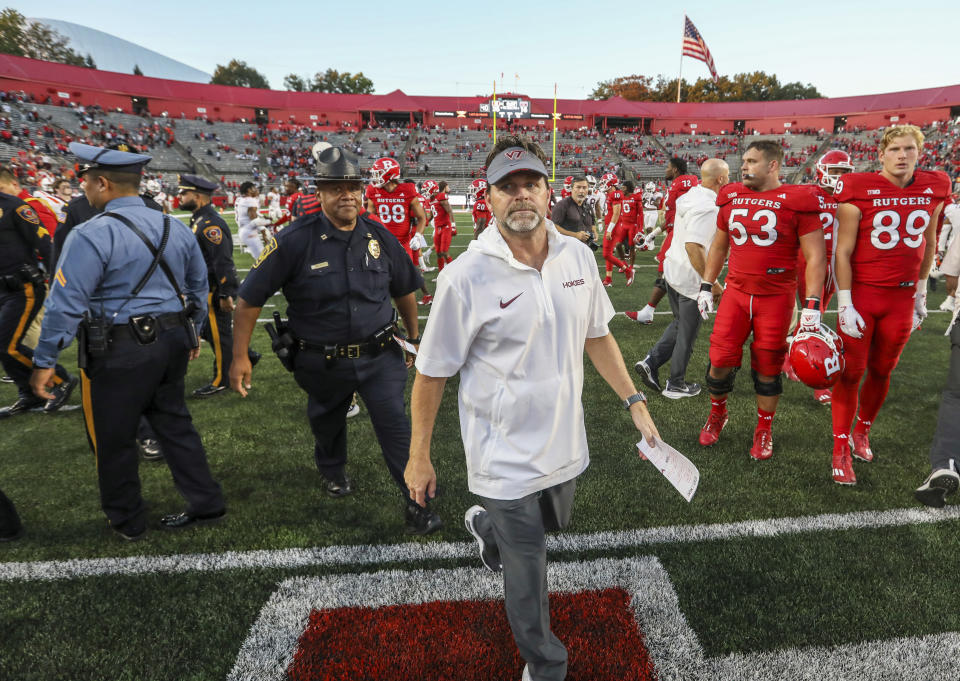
514	315
683	271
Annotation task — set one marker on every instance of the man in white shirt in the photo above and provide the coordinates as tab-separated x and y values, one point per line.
514	315
251	227
683	267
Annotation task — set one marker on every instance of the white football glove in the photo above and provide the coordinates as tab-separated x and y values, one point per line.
920	304
650	239
608	231
417	242
810	316
851	323
705	301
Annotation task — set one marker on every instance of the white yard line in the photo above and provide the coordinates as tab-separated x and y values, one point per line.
414	552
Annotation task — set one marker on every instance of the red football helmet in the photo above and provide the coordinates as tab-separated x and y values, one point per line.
384	170
833	159
428	188
568	182
607	181
817	357
478	188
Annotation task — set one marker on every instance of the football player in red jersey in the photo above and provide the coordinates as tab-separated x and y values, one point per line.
394	203
680	184
442	224
831	166
609	184
481	211
884	253
626	227
761	225
567	183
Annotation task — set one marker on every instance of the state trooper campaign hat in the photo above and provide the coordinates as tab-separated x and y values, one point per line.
120	158
335	165
511	160
195	183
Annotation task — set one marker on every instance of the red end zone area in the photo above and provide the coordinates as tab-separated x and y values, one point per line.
468	641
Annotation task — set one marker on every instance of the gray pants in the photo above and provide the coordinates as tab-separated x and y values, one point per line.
519	527
946	439
676	343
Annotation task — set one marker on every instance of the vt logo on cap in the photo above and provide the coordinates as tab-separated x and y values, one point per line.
513	154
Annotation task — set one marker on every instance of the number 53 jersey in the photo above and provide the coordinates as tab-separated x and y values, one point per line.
765	230
893	221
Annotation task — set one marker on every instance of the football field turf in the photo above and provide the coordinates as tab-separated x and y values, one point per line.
772	571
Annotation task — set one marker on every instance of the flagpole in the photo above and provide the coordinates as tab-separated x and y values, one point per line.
554	164
494	107
680	72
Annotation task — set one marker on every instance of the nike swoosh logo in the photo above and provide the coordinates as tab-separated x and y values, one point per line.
503	305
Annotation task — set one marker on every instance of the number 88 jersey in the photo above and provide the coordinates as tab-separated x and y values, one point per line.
893	221
764	230
392	209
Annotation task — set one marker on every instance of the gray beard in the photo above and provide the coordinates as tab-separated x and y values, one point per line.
521	226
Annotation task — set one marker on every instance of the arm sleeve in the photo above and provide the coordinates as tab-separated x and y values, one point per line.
808	222
601	309
405	277
268	274
33	232
81	270
221	260
448	335
701	225
197	285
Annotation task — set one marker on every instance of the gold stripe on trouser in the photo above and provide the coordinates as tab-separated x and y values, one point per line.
215	342
31	302
87	401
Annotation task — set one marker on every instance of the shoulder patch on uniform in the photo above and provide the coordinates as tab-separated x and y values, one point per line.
214	234
28	214
267	250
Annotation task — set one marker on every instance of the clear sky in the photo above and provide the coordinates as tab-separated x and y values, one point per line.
456	48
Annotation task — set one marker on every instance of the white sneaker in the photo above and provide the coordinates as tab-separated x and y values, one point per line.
948	303
354	408
645	316
936	487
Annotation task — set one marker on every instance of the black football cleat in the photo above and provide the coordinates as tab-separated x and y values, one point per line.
61	394
12	534
23	403
420	521
178	521
130	534
208	390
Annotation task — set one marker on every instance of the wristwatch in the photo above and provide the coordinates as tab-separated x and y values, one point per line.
633	399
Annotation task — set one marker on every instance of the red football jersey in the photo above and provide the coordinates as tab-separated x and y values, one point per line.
614	198
681	185
765	230
564	194
441	217
393	209
828	218
890	240
481	210
427	206
629	211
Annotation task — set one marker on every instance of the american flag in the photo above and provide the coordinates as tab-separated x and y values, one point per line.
693	46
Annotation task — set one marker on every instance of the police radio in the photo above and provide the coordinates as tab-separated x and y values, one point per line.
282	341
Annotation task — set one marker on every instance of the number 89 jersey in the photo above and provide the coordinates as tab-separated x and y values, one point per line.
765	230
392	209
890	240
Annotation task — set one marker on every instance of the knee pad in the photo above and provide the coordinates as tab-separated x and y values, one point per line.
767	389
660	284
720	386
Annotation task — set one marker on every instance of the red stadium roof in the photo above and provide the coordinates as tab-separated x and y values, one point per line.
35	72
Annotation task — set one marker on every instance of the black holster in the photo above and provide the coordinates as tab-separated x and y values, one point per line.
282	341
93	340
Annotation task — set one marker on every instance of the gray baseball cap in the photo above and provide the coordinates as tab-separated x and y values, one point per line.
511	160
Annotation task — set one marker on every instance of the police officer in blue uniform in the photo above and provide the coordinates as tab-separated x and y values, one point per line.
24	249
339	271
133	283
216	244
